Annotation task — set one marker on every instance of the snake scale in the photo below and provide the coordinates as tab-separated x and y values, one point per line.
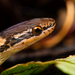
24	34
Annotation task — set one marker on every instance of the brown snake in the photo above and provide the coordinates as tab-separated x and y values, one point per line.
22	35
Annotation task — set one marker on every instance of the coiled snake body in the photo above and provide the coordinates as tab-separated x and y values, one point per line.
24	34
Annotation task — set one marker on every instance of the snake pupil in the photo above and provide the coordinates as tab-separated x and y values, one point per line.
37	30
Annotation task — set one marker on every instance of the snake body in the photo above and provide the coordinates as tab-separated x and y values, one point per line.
22	35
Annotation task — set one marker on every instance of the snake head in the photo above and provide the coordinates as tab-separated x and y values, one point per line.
22	35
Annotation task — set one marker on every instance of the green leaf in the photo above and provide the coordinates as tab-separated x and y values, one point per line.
55	67
32	68
66	67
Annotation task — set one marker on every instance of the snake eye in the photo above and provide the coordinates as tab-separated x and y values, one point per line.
37	30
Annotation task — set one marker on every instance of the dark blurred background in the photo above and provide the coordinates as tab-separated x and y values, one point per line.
16	11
